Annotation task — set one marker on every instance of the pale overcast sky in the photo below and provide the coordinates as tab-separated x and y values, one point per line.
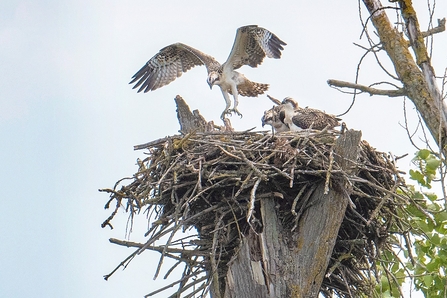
69	119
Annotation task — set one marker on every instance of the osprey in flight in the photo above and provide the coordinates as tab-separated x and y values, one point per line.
251	45
288	116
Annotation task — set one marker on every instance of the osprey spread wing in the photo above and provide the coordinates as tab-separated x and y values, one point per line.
251	45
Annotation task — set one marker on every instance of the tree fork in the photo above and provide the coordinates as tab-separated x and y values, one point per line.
420	85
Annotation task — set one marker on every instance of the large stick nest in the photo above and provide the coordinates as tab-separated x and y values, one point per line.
209	181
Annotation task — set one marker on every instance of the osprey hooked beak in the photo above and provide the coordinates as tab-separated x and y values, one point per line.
212	78
267	118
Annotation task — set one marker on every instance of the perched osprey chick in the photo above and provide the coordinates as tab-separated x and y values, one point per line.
288	116
251	45
271	117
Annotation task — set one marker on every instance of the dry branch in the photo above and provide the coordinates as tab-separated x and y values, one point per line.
371	91
438	29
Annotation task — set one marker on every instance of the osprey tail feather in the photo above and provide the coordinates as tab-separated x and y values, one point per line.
251	89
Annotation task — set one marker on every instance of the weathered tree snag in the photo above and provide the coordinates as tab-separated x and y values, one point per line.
189	121
419	82
280	262
192	122
269	211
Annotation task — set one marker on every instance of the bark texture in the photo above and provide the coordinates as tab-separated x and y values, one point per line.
189	121
418	77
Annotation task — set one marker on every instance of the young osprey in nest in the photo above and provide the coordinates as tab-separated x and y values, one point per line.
272	117
288	116
251	45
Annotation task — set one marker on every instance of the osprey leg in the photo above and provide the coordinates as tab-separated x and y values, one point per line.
236	101
228	104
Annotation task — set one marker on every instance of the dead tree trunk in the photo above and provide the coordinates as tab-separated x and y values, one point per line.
416	74
419	82
281	263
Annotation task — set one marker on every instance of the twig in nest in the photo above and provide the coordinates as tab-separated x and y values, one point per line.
328	173
295	201
251	205
118	205
168	242
122	264
246	160
303	206
292	172
228	153
155	142
173	284
244	184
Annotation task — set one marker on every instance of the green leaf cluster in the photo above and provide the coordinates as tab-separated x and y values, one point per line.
421	256
430	247
427	164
